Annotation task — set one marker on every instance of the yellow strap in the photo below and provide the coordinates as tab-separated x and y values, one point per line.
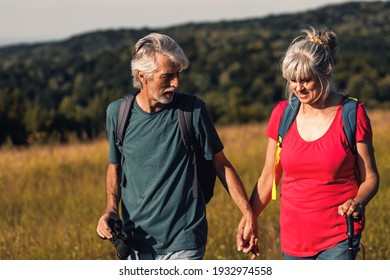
277	171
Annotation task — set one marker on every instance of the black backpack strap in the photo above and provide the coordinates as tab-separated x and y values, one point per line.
123	117
349	114
184	113
185	110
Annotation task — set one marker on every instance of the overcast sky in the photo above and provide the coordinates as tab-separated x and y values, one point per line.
39	20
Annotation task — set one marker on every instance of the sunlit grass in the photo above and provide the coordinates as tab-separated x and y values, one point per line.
51	198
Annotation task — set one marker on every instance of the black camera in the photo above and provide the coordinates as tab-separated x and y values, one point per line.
121	239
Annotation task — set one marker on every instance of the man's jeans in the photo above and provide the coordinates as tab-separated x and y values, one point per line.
196	254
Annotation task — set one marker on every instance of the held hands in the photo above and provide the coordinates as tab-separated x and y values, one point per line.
247	238
351	207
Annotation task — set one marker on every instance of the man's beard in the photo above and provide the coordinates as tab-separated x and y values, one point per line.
165	98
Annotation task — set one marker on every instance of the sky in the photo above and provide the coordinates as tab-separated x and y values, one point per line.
48	20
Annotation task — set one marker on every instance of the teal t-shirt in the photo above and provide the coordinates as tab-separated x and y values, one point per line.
157	198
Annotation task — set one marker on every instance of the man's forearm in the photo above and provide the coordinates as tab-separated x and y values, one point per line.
113	190
233	184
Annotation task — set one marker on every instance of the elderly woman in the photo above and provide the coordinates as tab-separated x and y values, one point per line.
323	179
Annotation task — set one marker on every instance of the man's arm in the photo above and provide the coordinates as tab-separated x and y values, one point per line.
113	196
233	184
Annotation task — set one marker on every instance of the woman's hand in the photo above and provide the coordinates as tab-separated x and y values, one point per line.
351	207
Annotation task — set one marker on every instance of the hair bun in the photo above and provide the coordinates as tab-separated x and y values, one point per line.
329	38
324	37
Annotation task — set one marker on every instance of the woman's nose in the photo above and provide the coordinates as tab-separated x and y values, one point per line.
298	86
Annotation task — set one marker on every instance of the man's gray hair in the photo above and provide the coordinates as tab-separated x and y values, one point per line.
144	57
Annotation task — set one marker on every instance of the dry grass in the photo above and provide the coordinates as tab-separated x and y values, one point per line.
51	198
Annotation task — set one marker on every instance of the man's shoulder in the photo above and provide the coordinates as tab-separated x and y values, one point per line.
113	107
190	98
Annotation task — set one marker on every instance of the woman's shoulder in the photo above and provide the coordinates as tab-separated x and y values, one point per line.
280	107
275	118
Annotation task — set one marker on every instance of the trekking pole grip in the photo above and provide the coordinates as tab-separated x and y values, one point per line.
350	233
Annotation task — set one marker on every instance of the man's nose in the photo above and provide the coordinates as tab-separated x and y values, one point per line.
175	81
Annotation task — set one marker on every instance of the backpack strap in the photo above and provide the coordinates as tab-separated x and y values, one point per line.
288	117
123	118
289	114
349	115
184	113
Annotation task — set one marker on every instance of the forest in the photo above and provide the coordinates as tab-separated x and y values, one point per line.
59	91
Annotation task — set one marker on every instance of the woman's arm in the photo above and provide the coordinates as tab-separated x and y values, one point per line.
261	194
368	178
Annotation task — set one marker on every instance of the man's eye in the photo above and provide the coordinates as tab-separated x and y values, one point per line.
168	77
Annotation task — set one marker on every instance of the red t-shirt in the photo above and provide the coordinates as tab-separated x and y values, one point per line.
318	176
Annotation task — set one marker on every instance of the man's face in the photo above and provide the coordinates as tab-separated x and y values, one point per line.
164	81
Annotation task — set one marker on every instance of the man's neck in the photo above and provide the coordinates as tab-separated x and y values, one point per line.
147	103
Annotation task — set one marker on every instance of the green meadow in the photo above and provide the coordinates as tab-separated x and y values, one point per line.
52	196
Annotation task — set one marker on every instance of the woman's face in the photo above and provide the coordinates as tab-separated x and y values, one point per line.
308	90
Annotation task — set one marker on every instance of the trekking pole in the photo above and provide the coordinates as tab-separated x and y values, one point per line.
350	233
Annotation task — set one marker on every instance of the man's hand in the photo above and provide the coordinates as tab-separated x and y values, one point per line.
247	238
103	229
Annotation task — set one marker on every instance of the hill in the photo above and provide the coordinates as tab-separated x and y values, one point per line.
58	91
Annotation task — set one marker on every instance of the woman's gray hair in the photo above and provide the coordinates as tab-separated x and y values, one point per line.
311	56
144	57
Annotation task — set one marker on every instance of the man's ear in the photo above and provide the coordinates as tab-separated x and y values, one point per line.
142	77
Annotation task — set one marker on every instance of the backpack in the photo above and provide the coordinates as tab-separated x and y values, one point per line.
349	111
204	172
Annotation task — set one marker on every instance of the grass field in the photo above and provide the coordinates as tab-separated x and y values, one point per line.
51	198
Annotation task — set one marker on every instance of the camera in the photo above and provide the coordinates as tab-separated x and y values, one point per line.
121	239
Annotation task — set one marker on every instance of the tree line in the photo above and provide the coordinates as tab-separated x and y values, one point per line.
59	91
